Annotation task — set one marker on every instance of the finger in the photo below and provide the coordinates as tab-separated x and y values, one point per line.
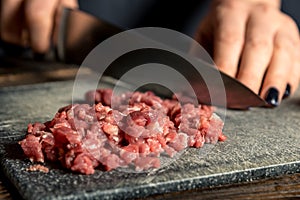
258	48
229	36
276	78
73	4
11	21
294	41
294	80
284	72
39	17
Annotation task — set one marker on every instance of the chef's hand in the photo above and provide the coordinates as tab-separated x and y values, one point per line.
32	23
255	42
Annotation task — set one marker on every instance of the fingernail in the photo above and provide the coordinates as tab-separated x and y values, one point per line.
272	97
287	91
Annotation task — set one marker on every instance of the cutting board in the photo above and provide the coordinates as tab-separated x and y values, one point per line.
261	143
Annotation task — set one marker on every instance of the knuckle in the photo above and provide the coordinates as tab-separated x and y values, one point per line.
284	44
257	43
266	12
229	37
228	4
285	41
288	35
263	7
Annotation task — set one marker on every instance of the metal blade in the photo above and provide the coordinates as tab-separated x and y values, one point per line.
81	32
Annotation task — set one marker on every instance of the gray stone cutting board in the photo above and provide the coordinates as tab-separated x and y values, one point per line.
261	143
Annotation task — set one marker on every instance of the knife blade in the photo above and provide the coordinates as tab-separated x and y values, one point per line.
80	32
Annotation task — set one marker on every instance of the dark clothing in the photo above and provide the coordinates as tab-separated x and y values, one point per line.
182	16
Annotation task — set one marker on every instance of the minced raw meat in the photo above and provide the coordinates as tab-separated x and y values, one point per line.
37	167
132	130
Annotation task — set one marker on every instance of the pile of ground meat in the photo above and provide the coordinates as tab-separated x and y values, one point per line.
133	130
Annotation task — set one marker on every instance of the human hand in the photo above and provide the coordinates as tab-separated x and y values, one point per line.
255	42
32	23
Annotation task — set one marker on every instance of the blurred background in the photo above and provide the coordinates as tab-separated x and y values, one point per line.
182	16
17	66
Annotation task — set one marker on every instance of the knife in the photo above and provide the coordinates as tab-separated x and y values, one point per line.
80	32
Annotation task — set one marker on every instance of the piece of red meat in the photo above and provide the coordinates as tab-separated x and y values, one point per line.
37	167
32	148
132	130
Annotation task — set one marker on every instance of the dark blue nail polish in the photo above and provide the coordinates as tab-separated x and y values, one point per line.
287	91
272	97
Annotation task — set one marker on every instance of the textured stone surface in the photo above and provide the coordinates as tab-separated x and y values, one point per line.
261	143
